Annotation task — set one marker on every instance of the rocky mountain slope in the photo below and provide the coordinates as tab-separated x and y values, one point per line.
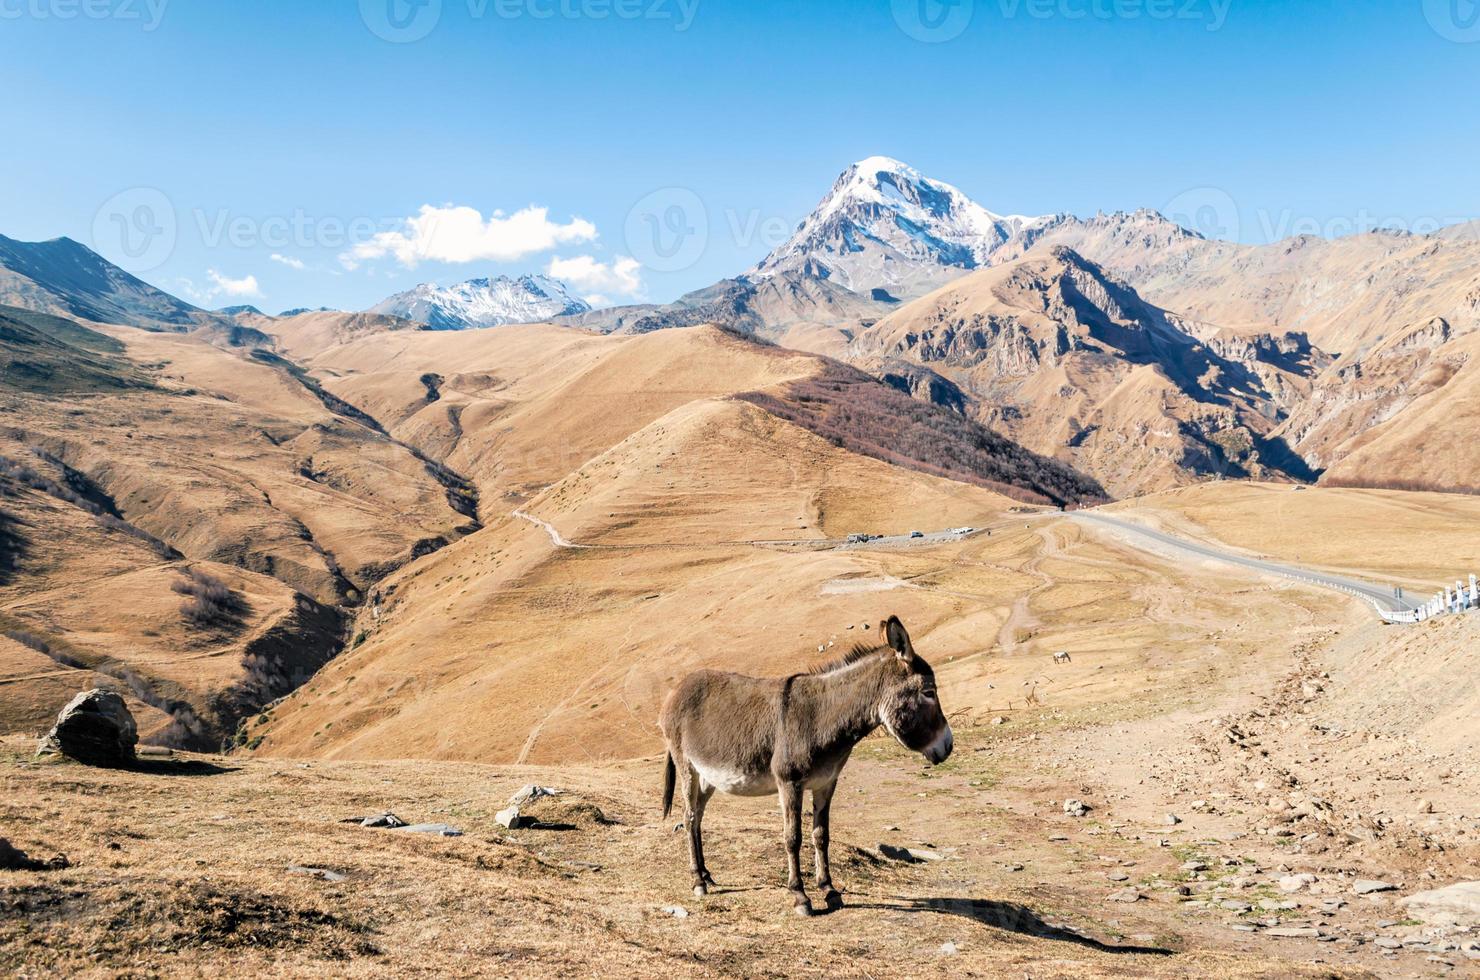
1072	363
487	302
1343	335
63	277
793	309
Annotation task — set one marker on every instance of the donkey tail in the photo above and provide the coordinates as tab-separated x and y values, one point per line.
670	776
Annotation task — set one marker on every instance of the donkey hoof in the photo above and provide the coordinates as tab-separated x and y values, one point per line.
701	889
833	899
708	879
802	906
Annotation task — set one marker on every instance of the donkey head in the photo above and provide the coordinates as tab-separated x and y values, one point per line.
910	708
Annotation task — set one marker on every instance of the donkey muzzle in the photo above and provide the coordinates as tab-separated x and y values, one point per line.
940	749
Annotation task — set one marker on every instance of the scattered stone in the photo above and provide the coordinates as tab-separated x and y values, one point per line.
1075	808
1294	932
387	819
1014	867
1387	942
910	855
1171	820
1058	838
1425	806
322	873
1128	895
1194	866
96	728
1243	927
948	949
999	720
1457	904
531	793
1294	883
155	751
1118	876
1369	886
511	818
440	829
1234	905
677	911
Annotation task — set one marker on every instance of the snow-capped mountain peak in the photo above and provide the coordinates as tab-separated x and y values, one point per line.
485	302
884	225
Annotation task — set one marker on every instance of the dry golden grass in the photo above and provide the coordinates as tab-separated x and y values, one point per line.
182	867
1420	539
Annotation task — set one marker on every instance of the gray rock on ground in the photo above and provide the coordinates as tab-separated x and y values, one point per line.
96	728
387	819
1457	904
439	829
511	819
1370	886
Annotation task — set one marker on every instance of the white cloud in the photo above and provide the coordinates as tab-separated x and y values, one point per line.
462	234
288	261
599	281
239	288
244	288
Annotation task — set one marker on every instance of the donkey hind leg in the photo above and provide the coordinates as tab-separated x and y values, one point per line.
791	822
703	880
695	796
821	817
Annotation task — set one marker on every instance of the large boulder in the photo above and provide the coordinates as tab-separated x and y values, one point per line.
96	728
1457	904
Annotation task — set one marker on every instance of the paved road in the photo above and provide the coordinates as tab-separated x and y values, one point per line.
1374	592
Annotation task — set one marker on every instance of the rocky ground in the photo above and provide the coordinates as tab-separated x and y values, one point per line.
1247	835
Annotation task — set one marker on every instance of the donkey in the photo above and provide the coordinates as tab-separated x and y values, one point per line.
751	736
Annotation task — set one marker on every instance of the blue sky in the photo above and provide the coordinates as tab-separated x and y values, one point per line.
193	141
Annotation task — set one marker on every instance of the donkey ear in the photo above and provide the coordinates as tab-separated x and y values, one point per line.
896	636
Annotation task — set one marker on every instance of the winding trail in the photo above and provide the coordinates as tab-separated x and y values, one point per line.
1380	596
556	537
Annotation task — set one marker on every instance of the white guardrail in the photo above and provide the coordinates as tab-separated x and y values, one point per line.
1455	600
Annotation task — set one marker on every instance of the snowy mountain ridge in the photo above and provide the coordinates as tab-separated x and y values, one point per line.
886	226
485	302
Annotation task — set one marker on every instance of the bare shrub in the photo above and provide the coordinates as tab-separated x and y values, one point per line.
208	600
856	412
26	476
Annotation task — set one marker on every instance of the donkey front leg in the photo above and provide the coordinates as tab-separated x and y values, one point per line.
791	822
821	817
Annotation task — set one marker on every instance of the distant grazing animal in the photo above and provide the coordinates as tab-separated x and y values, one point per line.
751	736
1062	657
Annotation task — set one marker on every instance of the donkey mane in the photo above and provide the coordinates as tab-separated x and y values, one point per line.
859	652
